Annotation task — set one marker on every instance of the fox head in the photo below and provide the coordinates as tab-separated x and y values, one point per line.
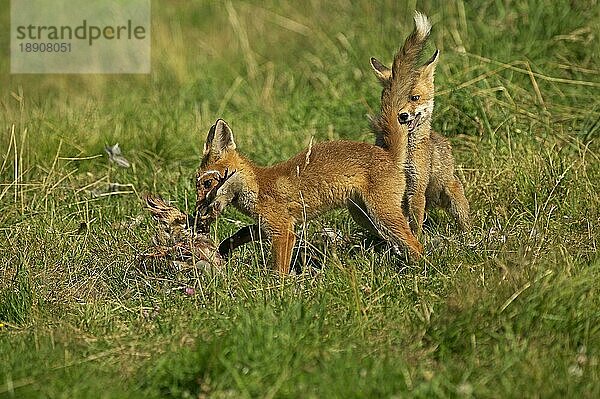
415	108
217	182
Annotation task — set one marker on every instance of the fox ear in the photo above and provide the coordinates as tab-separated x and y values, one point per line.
429	67
223	137
219	139
209	140
382	72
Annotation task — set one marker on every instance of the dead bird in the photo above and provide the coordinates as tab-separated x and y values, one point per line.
182	238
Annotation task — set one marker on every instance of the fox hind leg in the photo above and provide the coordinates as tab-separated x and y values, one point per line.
453	200
392	223
417	212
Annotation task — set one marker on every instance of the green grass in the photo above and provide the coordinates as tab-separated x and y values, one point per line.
511	310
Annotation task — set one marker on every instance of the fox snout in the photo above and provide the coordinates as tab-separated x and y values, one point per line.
213	204
403	117
410	119
211	196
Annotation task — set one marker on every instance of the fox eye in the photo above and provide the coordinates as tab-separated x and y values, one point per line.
207	184
414	98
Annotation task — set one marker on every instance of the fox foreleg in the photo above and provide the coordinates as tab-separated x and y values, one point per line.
239	238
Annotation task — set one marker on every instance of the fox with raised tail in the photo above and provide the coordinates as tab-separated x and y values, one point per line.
324	176
428	162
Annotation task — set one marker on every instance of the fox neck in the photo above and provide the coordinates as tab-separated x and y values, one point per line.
421	132
244	186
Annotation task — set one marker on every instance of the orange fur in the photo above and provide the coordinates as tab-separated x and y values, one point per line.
325	176
428	161
390	134
397	83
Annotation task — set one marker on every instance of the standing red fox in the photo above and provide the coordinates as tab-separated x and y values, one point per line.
428	161
322	177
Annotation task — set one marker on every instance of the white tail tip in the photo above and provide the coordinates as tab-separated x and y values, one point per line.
422	24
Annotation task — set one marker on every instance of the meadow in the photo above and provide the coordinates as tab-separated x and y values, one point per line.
512	309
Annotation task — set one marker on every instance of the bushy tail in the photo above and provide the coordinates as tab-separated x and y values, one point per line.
408	55
397	87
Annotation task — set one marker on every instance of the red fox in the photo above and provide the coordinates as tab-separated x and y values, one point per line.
324	176
428	162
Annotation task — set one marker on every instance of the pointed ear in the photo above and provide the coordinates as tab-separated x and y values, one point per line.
223	137
382	72
219	139
209	141
429	67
